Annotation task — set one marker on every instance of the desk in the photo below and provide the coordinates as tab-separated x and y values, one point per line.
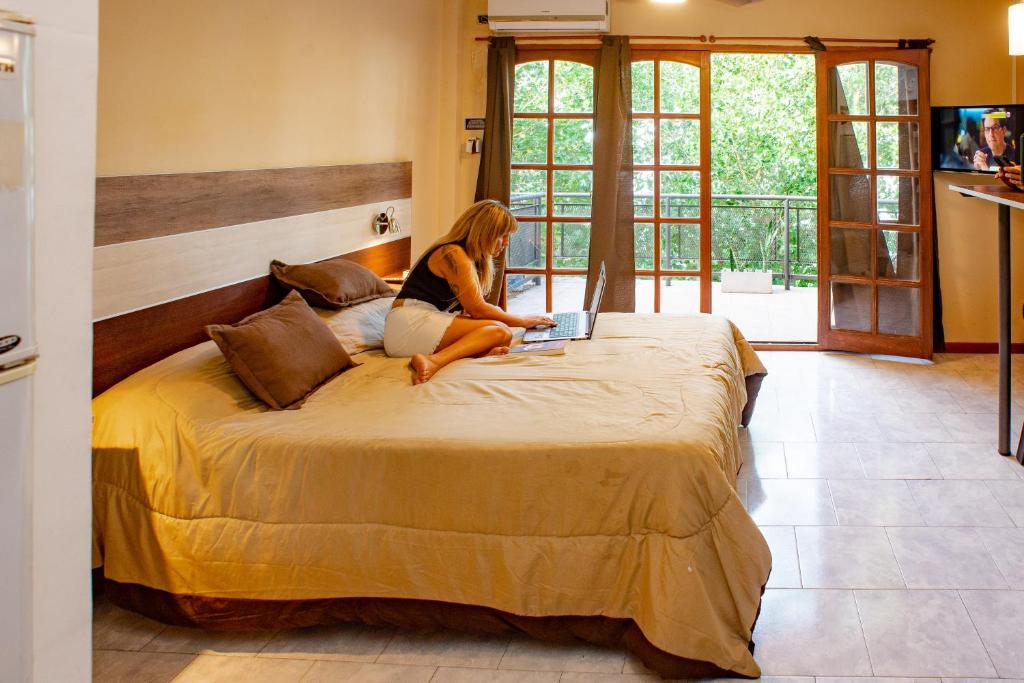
1006	199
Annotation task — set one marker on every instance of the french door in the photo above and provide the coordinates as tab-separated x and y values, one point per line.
875	198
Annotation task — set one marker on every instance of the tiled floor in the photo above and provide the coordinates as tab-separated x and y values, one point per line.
897	534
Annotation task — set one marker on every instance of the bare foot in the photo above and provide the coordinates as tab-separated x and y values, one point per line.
422	368
497	351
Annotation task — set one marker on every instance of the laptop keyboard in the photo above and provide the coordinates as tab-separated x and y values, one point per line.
568	324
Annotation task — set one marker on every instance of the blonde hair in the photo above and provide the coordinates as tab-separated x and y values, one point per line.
478	228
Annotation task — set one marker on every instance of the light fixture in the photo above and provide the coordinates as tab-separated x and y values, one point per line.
668	2
1016	16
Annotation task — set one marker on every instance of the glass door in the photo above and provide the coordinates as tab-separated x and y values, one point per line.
875	191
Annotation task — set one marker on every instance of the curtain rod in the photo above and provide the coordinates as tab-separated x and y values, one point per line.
715	39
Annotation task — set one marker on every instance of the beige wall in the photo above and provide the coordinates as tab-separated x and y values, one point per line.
969	66
187	85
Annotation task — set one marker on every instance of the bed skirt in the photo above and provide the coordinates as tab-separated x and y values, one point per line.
232	614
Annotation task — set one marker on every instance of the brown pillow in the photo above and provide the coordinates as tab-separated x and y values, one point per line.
283	353
335	283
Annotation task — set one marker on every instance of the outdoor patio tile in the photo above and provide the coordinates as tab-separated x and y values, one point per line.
822	460
958	503
810	632
773	502
1006	546
846	557
897	461
921	633
998	616
913	428
1010	494
874	503
952	557
970	461
785	565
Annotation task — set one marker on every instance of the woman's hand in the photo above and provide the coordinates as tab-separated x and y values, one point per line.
531	321
1011	177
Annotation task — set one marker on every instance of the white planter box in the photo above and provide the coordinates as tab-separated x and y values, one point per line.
746	281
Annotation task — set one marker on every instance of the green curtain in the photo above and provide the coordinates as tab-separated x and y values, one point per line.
611	235
495	177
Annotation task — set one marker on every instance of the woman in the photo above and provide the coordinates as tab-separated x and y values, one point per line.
454	275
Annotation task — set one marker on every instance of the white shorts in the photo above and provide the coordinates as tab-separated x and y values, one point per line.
415	327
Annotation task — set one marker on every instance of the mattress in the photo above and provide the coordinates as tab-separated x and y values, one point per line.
595	483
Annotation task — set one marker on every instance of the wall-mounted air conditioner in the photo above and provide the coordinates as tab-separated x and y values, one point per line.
575	16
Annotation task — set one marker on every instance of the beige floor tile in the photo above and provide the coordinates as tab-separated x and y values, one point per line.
785	565
876	679
444	648
607	678
982	680
897	461
452	675
199	641
810	632
113	666
781	502
970	461
1006	546
763	459
116	629
217	669
874	503
348	642
532	655
951	557
913	401
958	503
1010	494
822	460
845	428
846	557
921	633
352	672
795	425
913	428
971	427
999	618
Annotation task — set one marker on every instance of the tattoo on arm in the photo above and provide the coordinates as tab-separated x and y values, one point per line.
450	262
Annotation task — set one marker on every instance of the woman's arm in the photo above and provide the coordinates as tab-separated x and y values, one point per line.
452	263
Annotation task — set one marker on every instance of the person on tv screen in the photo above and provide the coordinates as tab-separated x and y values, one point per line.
996	127
1011	177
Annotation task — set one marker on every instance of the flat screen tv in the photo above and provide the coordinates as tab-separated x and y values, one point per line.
976	139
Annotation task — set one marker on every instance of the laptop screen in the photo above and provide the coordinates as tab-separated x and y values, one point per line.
595	300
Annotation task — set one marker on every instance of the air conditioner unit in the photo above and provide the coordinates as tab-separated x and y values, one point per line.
573	16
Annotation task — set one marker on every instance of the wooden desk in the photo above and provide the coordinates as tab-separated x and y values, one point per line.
1006	199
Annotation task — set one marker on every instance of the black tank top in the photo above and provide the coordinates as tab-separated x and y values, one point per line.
422	284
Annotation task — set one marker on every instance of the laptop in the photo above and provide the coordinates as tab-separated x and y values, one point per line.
573	324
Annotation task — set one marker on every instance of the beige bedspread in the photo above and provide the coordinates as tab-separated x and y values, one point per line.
595	483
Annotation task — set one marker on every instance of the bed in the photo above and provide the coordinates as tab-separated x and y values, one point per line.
588	495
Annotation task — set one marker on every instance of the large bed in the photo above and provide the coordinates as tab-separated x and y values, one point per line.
589	494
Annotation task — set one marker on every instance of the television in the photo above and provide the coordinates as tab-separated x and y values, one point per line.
975	139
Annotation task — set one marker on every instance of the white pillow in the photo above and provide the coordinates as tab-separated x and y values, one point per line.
361	327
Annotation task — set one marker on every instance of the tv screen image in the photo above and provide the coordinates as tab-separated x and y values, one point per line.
976	139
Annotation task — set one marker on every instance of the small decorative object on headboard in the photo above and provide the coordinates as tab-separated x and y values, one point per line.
385	222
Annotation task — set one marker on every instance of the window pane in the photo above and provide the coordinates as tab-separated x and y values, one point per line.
643	86
895	89
850	198
898	255
531	94
680	88
525	294
680	142
851	307
526	246
574	141
644	294
574	87
899	311
680	246
848	89
529	141
643	141
570	245
899	200
848	144
897	146
572	193
567	292
529	193
680	294
643	246
851	251
680	194
643	193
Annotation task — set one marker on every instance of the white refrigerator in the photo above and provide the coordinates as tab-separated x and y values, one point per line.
17	342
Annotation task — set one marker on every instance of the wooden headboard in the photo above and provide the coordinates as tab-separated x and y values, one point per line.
175	253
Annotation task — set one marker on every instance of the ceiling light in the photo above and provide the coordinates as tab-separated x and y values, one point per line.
1017	29
668	2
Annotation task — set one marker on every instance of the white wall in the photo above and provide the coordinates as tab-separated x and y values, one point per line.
65	165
